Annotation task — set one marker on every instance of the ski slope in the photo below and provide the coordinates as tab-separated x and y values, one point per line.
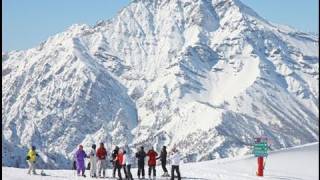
299	163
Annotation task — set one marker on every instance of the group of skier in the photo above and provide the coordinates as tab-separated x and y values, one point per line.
123	159
120	158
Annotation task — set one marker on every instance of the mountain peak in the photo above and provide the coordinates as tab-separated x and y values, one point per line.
164	72
79	27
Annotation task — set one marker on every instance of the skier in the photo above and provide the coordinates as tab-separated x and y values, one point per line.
80	155
123	164
118	162
141	155
127	157
102	162
163	159
114	155
152	162
31	159
93	161
175	161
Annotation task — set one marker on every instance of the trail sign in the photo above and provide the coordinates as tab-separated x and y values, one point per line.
260	148
265	149
264	144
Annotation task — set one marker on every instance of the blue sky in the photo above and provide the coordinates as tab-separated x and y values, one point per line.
26	23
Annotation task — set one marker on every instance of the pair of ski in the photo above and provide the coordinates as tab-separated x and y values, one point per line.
41	174
38	174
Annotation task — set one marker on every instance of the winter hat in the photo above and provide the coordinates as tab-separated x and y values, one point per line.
101	144
33	147
93	146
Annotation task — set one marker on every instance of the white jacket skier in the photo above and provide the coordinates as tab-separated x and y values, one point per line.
175	162
93	161
128	160
175	159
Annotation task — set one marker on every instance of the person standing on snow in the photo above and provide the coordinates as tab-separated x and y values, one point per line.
152	161
102	161
123	164
127	157
118	162
80	155
163	159
93	161
114	155
141	155
175	162
31	159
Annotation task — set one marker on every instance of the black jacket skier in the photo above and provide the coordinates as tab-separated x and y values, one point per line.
163	159
163	155
141	155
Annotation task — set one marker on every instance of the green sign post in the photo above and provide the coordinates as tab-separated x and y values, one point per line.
260	149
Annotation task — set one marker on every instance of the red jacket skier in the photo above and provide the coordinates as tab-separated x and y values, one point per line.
152	157
119	163
101	153
119	158
152	161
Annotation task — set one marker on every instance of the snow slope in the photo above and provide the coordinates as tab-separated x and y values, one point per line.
299	163
184	73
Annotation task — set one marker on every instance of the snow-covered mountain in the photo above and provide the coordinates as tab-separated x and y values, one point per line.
205	76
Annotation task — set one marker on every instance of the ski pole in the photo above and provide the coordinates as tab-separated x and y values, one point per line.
264	164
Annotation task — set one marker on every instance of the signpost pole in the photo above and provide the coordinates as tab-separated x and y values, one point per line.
260	166
260	150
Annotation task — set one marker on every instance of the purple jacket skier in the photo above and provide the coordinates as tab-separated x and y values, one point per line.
79	156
